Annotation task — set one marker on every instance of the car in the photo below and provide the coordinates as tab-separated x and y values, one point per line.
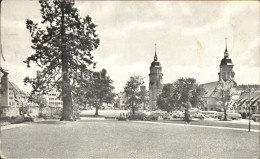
27	117
209	114
198	115
255	117
218	115
232	116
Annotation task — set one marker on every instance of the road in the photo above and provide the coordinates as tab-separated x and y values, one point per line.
125	139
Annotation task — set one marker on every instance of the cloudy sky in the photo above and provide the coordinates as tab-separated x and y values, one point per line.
190	38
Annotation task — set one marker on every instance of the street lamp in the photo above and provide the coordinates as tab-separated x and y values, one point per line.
249	90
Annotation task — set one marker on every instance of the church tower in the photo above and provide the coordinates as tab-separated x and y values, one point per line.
155	81
226	67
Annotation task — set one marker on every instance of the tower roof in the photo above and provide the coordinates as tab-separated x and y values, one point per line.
226	60
155	63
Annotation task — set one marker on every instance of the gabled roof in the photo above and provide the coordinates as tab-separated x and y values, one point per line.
244	97
209	88
14	86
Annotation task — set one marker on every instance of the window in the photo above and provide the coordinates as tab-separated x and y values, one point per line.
11	98
10	103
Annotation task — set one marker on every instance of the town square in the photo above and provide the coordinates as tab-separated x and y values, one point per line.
129	79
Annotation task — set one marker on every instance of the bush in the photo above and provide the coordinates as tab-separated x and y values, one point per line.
153	116
44	116
138	116
7	118
121	118
5	121
18	119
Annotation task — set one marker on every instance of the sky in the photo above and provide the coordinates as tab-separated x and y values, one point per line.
190	38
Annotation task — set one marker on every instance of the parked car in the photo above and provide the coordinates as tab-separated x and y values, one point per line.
209	114
218	115
235	116
198	115
255	117
27	118
232	116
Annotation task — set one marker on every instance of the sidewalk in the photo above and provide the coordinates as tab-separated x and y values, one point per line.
197	126
239	124
12	126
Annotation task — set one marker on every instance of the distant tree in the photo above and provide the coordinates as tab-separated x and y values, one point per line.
165	100
223	93
109	98
38	99
62	49
97	90
188	91
143	98
132	90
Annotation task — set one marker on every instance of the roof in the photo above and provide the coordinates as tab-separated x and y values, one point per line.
243	87
156	64
244	97
226	61
11	84
209	88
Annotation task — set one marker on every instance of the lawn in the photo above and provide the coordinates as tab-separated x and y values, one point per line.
125	139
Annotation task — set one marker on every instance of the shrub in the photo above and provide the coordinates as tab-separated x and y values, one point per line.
7	118
18	119
121	118
153	116
138	116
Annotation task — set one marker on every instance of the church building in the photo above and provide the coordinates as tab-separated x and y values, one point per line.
155	81
226	73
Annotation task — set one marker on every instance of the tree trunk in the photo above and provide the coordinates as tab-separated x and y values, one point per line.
225	114
96	110
132	104
67	112
133	109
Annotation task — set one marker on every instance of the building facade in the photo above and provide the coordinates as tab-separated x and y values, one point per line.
52	99
14	101
155	82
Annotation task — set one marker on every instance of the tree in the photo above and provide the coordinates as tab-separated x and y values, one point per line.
183	92
143	98
223	93
132	90
165	100
38	99
188	91
62	50
96	91
109	98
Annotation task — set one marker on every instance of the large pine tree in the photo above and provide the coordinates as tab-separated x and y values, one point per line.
62	49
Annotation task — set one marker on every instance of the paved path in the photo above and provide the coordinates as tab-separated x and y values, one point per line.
12	126
199	126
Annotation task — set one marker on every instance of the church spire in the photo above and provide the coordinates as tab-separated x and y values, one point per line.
226	51
155	55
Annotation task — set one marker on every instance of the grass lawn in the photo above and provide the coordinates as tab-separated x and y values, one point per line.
125	139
